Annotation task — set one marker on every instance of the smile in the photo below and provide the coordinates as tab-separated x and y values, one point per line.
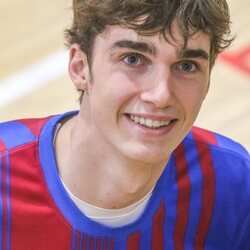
149	123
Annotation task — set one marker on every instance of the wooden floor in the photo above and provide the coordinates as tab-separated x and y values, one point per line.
32	31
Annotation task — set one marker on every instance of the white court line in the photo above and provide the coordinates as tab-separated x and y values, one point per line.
22	83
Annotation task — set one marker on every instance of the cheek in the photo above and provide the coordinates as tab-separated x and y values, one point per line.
119	89
110	97
192	98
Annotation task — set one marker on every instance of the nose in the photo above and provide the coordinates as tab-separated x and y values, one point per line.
160	90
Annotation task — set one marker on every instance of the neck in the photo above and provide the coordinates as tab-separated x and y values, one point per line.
99	176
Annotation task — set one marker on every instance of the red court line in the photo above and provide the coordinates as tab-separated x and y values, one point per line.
239	59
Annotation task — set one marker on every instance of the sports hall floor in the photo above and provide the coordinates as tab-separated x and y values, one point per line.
33	67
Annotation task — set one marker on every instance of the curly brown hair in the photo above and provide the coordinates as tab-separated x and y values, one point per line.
149	17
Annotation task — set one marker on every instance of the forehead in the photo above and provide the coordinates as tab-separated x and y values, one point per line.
114	34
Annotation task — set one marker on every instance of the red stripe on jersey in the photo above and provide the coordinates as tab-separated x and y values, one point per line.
158	228
112	244
133	241
2	146
91	243
105	244
85	239
183	198
208	194
204	136
35	125
78	239
98	244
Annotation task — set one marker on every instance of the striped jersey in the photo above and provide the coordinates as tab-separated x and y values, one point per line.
201	201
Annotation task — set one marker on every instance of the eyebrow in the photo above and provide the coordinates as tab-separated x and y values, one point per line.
151	49
138	46
193	53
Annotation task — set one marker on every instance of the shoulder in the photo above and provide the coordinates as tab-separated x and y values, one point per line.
218	144
229	167
229	160
19	132
226	161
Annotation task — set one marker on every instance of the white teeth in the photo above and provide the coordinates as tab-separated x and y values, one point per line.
149	122
142	121
156	124
137	119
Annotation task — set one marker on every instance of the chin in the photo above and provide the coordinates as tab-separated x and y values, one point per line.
149	156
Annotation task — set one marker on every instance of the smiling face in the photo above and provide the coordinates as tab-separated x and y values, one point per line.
143	93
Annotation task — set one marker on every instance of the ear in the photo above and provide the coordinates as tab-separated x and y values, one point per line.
78	67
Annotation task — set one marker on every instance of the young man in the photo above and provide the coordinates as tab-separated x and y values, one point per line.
128	171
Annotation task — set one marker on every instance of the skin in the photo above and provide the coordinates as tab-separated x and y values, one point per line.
104	157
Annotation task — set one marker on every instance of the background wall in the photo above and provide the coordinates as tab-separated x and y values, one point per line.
33	67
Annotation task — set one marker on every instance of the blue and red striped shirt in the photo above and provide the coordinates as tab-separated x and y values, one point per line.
201	201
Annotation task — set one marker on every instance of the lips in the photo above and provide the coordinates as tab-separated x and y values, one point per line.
149	122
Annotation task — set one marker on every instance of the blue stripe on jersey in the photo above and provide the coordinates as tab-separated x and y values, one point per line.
195	176
146	235
14	134
120	243
81	242
73	243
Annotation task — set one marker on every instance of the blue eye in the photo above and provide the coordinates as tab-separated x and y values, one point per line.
132	60
187	67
